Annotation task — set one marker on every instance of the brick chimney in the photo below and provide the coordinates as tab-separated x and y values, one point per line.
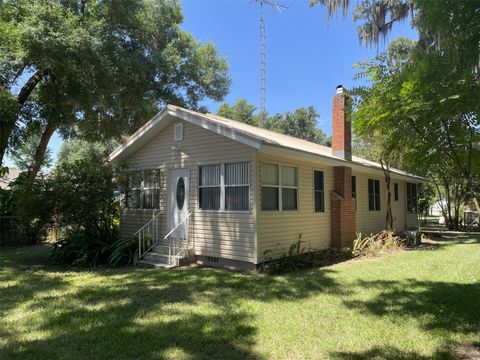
341	128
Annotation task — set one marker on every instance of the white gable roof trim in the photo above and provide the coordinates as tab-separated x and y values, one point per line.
257	138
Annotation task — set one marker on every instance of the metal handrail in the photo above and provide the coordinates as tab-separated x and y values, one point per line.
148	236
175	247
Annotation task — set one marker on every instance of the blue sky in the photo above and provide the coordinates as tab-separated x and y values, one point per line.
308	55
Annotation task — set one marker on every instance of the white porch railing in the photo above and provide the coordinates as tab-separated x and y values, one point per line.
178	241
148	236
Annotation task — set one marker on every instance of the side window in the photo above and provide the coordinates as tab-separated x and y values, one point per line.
143	191
373	195
279	187
354	187
412	198
270	185
289	188
395	190
318	188
151	189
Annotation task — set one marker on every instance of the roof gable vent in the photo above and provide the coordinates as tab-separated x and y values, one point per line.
178	132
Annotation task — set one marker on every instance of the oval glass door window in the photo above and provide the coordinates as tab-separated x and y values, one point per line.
180	193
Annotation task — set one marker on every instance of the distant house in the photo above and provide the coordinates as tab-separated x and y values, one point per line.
235	195
6	179
436	208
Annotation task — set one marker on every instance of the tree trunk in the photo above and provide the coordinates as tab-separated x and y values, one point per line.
7	127
389	213
41	149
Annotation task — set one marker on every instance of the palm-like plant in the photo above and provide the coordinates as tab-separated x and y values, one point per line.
377	16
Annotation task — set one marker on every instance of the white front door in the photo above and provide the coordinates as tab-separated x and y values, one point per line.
179	200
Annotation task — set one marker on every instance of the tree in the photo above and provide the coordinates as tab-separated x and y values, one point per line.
435	95
78	150
300	123
376	17
241	110
100	67
23	155
376	111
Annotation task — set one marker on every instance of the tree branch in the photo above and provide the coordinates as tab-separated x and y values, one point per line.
28	87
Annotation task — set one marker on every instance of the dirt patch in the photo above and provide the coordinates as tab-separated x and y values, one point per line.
467	352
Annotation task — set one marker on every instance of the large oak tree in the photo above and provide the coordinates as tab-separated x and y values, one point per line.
98	67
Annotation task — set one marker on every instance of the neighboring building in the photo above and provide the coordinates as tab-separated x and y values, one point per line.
251	192
6	179
436	208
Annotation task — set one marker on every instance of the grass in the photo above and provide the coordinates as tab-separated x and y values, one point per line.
413	305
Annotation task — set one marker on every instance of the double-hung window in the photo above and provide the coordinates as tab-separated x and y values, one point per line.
354	187
143	190
210	187
224	187
279	187
318	188
269	174
237	186
411	198
354	190
373	195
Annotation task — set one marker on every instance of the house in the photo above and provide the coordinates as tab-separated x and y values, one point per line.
235	195
9	177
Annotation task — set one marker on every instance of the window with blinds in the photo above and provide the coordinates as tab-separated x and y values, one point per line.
209	187
237	186
143	190
225	187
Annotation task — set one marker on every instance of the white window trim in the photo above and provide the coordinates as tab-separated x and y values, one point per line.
141	188
222	188
416	198
374	195
279	187
314	191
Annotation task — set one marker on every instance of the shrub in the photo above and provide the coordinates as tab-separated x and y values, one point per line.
375	244
28	206
85	197
289	261
124	252
86	206
296	259
81	249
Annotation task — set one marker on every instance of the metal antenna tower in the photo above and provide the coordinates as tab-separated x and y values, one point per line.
262	53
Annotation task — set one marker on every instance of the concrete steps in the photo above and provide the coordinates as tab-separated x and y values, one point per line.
158	257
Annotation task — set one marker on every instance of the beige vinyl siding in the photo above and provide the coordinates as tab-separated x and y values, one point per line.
278	230
217	234
369	221
399	208
374	221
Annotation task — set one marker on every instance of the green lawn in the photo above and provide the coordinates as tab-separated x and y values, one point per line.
413	305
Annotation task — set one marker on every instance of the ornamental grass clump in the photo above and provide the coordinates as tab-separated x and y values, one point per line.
376	244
